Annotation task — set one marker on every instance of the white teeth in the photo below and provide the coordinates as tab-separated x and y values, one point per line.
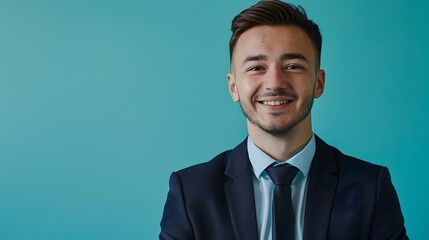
275	103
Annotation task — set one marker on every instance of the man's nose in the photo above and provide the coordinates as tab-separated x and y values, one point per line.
275	79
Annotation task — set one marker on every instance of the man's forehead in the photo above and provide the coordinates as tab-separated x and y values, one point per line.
269	40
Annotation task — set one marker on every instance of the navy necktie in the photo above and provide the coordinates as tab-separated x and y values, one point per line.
283	216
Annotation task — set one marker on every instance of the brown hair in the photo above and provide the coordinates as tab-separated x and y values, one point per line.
273	13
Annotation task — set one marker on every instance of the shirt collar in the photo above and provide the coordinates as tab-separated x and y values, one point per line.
260	160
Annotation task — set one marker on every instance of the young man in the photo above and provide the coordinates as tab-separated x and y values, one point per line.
275	76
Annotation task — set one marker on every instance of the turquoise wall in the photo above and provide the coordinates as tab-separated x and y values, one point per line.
101	100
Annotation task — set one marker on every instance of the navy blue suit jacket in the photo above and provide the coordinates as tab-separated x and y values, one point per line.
347	198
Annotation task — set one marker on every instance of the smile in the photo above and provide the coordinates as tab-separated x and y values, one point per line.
276	103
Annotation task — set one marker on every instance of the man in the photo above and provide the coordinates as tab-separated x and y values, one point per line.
275	75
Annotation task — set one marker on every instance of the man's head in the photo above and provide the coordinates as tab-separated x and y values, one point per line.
275	72
274	13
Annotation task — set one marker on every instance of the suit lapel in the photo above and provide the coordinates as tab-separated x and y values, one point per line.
239	194
320	192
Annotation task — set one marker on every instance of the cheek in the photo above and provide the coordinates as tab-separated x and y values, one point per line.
246	86
303	86
248	90
307	85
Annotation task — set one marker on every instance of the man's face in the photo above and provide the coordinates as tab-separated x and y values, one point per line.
275	77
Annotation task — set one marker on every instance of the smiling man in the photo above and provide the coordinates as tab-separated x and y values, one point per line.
282	182
275	76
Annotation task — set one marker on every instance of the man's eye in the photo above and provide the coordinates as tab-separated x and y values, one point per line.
293	67
256	68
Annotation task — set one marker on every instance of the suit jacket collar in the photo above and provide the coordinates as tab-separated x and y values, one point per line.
320	192
239	193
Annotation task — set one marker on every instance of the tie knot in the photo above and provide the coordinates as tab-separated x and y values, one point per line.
282	175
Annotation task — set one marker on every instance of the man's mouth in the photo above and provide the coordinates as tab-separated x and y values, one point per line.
276	103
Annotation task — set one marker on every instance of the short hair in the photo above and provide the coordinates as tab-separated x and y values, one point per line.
274	13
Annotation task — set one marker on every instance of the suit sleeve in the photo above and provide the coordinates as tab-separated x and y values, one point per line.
388	222
175	223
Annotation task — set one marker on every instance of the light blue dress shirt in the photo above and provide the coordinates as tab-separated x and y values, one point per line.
264	187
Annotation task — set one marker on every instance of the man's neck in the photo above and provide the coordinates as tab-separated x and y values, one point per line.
283	147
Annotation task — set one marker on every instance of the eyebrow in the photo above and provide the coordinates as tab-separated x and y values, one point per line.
289	56
286	56
260	57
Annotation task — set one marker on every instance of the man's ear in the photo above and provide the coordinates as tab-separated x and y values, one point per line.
233	87
319	85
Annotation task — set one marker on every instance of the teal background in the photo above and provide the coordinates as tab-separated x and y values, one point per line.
101	100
